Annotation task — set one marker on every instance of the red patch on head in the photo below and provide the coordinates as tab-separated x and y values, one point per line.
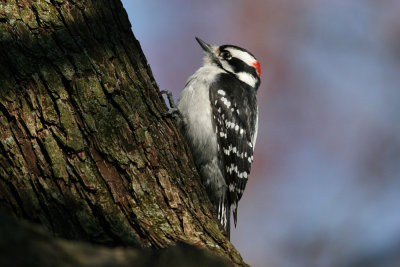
258	68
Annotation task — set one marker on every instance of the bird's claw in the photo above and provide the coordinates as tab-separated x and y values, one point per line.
170	98
173	112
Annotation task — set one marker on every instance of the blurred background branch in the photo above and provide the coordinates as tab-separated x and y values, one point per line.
26	244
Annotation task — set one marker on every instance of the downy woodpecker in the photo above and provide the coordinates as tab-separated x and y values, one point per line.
219	119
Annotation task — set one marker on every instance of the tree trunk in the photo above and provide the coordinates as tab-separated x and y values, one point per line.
84	149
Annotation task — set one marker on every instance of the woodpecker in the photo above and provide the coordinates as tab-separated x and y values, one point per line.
218	115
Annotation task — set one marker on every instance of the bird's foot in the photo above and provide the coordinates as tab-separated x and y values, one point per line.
174	111
170	98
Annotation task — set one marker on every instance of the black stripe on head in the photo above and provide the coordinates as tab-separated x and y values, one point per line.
240	66
223	47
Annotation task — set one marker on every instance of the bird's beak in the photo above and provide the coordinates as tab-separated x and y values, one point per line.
206	47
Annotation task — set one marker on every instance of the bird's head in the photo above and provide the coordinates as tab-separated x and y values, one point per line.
234	60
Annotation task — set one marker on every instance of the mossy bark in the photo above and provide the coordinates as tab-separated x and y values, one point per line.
84	149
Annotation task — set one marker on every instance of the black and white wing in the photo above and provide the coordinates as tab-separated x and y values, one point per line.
234	111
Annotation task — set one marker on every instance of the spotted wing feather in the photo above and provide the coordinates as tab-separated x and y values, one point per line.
235	119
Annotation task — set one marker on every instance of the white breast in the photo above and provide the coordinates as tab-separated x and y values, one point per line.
195	107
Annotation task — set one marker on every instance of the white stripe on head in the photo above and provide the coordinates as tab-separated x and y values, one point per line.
243	76
226	66
247	78
242	55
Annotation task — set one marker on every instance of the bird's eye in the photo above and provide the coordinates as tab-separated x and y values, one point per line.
225	55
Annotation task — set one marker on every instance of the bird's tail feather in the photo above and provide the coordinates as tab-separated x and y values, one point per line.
224	216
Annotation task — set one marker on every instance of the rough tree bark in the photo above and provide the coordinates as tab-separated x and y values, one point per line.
84	149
